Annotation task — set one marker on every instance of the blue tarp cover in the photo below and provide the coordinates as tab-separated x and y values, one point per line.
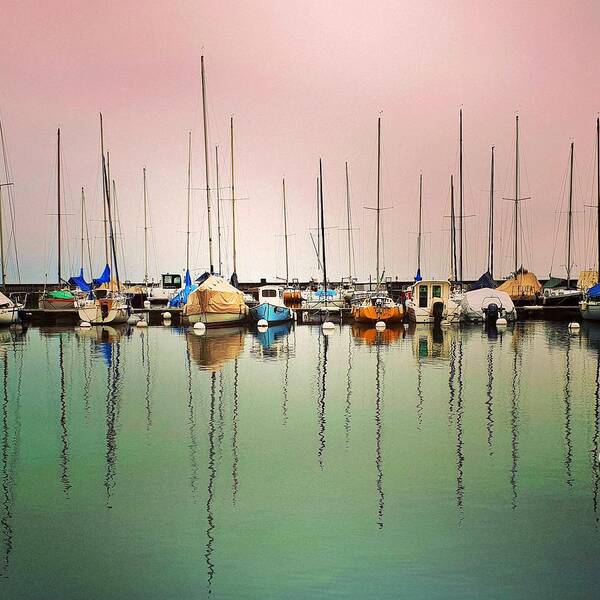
418	275
485	281
180	298
594	291
321	293
80	282
104	278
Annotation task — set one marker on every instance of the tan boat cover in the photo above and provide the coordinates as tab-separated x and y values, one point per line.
215	295
216	347
587	279
523	285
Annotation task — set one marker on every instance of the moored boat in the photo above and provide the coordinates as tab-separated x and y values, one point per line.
377	306
271	306
487	305
430	302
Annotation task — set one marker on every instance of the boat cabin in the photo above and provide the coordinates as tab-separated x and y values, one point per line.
170	281
271	294
429	291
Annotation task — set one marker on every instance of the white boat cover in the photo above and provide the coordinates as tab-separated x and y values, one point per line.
473	303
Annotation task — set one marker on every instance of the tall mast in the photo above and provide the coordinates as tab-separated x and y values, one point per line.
58	201
570	219
206	172
322	229
2	265
285	235
517	196
218	210
82	225
189	194
349	221
145	231
106	186
420	223
104	193
318	223
453	231
490	265
378	192
460	199
597	187
233	201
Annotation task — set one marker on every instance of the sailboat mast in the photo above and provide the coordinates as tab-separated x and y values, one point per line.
517	196
58	202
189	194
145	231
490	267
420	222
597	188
233	199
349	221
106	186
206	171
570	219
82	225
453	231
218	211
318	224
285	235
104	191
378	194
322	229
460	201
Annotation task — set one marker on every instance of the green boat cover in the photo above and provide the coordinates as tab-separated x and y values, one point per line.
61	295
555	282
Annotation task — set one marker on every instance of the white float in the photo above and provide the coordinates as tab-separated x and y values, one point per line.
141	323
85	324
328	325
147	304
501	322
166	315
574	326
262	323
199	326
380	325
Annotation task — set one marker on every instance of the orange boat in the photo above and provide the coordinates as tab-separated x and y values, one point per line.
378	308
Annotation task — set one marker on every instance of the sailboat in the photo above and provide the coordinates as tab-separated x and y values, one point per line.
523	286
590	305
112	307
215	301
482	302
560	292
376	305
347	285
271	304
63	298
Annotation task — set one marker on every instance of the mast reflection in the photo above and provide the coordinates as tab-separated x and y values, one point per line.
514	420
348	407
490	398
192	428
460	457
113	383
7	478
64	435
234	442
378	446
212	473
567	402
321	387
451	378
145	346
596	443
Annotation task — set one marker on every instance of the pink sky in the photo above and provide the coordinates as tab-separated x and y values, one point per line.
304	80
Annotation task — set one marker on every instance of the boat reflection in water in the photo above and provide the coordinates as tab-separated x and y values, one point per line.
431	343
271	341
370	336
215	347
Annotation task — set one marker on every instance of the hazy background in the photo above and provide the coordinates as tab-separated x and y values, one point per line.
304	80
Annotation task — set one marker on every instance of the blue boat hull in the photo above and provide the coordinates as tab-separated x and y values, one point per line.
270	313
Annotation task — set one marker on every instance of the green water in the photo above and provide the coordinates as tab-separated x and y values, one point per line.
158	464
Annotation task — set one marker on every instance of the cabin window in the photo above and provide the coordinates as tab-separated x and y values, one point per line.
436	291
423	296
269	293
171	281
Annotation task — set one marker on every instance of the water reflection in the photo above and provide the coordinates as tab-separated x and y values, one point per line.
596	443
460	457
490	398
370	336
567	402
212	473
7	477
234	434
216	347
64	454
378	424
193	445
145	349
348	406
113	392
271	340
321	391
514	417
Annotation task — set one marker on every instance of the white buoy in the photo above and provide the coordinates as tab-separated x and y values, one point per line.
262	328
85	324
262	323
166	315
146	303
380	325
501	322
198	332
574	326
199	326
328	325
141	323
167	322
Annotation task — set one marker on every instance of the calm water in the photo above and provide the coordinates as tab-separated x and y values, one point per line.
160	464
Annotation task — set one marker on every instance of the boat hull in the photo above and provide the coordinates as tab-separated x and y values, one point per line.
217	319
56	303
104	312
373	314
590	310
9	316
271	313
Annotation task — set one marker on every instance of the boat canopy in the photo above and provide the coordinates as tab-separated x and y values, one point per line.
587	279
214	295
61	295
555	282
320	293
485	281
594	291
522	284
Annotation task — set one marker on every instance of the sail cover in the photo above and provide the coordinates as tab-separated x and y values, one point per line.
418	275
215	295
594	291
104	278
80	282
485	281
555	282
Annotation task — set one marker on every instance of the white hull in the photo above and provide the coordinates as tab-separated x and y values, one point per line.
590	310
475	304
417	314
216	319
92	313
8	316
